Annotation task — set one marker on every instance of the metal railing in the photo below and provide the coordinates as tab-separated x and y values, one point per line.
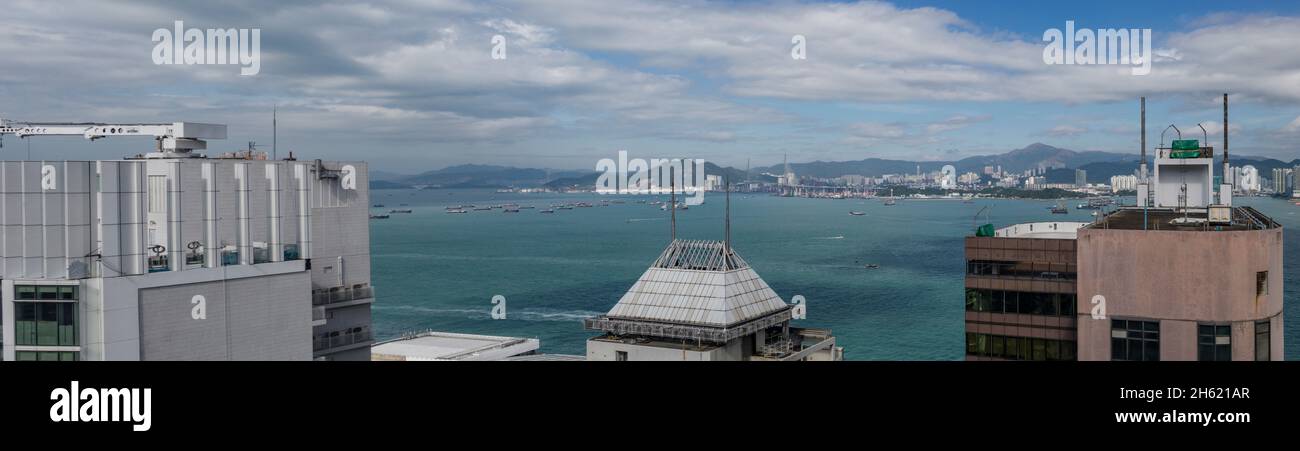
341	294
338	339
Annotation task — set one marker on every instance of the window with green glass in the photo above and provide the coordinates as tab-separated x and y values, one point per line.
47	356
45	324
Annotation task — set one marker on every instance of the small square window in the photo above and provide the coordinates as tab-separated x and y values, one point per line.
620	356
1261	283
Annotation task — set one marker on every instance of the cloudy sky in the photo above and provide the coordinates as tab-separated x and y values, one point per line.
411	85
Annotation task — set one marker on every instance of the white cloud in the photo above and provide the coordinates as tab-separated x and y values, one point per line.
1066	130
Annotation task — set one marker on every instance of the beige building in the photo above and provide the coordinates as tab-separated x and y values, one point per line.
1187	292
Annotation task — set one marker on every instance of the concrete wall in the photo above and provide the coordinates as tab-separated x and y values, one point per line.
257	318
1179	278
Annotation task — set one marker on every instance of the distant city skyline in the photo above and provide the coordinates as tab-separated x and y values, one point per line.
411	87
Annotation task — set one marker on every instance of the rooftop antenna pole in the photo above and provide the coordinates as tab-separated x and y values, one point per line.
672	201
1225	141
1144	140
274	150
726	243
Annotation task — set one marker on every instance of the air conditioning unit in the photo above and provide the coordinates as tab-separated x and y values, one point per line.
1220	214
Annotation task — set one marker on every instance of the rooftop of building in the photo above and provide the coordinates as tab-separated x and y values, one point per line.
695	290
1192	219
452	346
1058	230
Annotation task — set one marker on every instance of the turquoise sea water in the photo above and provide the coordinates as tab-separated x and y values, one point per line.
434	270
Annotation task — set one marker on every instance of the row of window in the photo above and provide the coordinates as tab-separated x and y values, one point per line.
1020	269
1019	348
47	356
1028	303
45	292
1140	340
197	257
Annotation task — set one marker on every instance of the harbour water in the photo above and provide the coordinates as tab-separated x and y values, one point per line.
434	270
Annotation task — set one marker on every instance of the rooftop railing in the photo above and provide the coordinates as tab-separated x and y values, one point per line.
336	295
341	338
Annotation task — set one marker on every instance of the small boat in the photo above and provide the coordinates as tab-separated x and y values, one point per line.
546	211
1060	209
890	202
380	216
528	207
378	206
400	210
456	210
482	208
872	266
858	213
511	210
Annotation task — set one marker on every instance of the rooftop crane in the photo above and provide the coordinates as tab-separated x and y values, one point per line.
175	140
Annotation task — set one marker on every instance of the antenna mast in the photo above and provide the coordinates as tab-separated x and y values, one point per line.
726	242
672	201
274	150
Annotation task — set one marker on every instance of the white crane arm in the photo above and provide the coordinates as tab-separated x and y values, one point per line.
177	137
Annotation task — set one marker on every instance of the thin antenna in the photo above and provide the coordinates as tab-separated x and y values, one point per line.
275	109
726	243
1225	138
1144	140
672	201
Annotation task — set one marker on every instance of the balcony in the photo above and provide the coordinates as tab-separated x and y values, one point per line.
355	294
339	340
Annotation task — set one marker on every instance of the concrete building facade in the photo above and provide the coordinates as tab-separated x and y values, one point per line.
184	258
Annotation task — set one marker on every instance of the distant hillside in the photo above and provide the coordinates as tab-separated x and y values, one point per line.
384	184
1032	156
737	176
1060	162
484	176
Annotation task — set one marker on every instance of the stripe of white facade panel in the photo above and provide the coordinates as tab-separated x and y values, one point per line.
273	211
245	242
4	221
304	211
137	215
211	252
175	242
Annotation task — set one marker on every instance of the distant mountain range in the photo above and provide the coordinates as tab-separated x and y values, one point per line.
1100	166
470	176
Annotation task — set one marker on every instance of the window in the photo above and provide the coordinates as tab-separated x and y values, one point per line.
45	292
47	356
1213	342
45	324
1019	348
1261	283
1134	340
620	356
1020	269
1262	341
1026	303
